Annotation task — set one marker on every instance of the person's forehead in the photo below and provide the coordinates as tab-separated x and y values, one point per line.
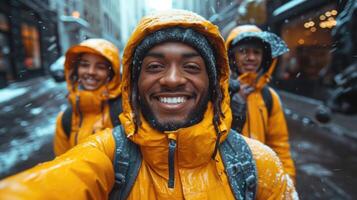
91	56
172	44
251	43
173	47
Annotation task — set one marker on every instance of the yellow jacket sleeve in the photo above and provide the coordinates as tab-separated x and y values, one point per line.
273	182
61	142
84	172
278	136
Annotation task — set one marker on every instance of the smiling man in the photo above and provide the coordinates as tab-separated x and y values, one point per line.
175	140
173	79
253	54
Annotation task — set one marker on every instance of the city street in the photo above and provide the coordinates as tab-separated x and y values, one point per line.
27	123
326	164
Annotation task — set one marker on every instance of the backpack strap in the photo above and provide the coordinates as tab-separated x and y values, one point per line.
67	120
127	162
268	99
115	109
240	166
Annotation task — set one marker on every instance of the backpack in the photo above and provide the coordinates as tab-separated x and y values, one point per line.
268	99
114	108
235	152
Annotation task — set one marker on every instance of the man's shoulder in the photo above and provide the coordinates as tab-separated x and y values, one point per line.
273	93
263	155
102	140
272	180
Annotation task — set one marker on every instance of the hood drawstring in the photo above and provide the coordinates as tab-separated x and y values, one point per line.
102	103
217	141
171	158
78	110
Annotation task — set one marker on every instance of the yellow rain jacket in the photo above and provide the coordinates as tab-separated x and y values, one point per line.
90	109
270	129
86	171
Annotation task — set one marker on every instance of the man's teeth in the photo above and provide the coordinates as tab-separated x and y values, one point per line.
91	80
172	99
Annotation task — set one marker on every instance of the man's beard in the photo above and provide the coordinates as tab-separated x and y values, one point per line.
194	116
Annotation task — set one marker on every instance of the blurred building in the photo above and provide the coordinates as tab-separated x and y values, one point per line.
83	19
206	8
28	39
110	18
72	28
130	14
240	12
306	27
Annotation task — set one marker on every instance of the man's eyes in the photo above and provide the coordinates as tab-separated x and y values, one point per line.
188	67
154	67
245	51
101	66
192	67
83	64
257	51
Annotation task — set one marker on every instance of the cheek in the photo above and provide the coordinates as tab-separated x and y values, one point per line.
103	74
80	71
202	84
239	60
143	85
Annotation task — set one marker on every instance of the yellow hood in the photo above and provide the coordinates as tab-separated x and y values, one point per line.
100	47
253	79
153	142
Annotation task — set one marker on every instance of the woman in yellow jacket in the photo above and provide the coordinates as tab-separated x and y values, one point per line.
86	171
252	55
92	70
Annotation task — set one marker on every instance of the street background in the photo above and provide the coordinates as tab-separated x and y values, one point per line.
317	75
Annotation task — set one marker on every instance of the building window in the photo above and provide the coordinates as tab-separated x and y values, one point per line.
4	24
309	40
5	67
30	39
5	57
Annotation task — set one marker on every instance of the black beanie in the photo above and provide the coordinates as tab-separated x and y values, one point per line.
176	34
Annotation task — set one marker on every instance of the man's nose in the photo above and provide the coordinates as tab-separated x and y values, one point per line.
91	69
251	56
173	77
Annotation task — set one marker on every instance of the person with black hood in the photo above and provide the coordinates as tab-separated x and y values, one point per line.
175	141
256	107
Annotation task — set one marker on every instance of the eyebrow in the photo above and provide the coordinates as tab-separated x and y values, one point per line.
190	55
155	55
161	55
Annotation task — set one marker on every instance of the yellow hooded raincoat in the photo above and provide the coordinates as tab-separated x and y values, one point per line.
90	109
270	129
86	171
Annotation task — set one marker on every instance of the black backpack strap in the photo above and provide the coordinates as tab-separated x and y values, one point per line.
268	99
115	109
67	120
127	162
240	166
